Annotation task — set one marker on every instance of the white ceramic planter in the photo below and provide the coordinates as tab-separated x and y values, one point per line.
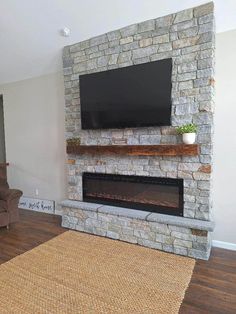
189	138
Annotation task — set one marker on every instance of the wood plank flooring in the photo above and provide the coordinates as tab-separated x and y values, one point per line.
212	288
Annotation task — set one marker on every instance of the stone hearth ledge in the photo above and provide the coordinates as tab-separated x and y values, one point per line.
141	215
179	235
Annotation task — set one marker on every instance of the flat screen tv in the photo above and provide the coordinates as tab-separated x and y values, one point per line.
133	96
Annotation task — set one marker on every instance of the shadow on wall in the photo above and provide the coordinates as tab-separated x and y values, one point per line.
2	133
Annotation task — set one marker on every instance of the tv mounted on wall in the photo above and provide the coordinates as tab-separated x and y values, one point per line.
133	96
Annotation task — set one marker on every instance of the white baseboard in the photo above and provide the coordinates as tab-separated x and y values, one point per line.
224	245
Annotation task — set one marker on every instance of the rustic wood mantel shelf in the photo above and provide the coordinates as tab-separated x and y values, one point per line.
135	150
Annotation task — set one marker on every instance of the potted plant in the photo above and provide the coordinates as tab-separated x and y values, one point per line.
188	132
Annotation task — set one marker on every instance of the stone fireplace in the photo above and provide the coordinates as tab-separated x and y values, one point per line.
169	204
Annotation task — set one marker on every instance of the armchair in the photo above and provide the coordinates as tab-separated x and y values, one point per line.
9	199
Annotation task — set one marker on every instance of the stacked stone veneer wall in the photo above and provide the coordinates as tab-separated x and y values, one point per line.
188	37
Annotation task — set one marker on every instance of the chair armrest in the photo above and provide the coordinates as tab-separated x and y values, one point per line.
10	194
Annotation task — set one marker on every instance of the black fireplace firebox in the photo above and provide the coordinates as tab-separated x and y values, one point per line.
159	195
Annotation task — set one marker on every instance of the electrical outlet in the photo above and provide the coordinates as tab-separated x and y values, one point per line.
36	192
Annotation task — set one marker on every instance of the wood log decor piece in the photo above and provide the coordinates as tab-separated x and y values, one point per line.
135	150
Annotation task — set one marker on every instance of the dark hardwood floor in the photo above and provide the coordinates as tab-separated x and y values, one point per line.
212	288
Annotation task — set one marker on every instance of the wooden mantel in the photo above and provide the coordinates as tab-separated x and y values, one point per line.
135	150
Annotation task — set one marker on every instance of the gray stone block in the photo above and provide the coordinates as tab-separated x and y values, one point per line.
173	36
146	26
112	235
124	57
130	46
193	191
206	149
113	50
202	215
198	254
128	238
126	40
145	42
187	67
102	61
150	139
185	42
129	30
80	46
208	27
113	59
202	82
206	159
204	138
205	63
168	248
180	250
144	52
207	38
159	228
189	198
123	212
208	73
114	35
189	32
183	243
204	185
181	221
186	76
206	18
186	58
164	21
166	239
125	64
201	176
189	166
142	60
113	43
161	39
167	165
98	40
203	118
165	47
80	205
180	229
184	25
150	244
180	120
204	9
189	213
203	200
183	16
186	109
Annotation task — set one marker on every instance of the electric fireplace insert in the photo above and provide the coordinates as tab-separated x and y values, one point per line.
153	194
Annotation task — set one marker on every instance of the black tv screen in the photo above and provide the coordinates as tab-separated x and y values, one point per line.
133	96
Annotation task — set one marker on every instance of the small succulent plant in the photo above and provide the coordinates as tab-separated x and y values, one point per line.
187	128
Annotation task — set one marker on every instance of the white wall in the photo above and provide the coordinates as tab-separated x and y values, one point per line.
34	131
225	138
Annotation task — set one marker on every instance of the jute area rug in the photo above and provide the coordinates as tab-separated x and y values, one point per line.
80	273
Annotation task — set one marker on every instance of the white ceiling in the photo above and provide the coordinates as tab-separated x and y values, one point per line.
30	44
